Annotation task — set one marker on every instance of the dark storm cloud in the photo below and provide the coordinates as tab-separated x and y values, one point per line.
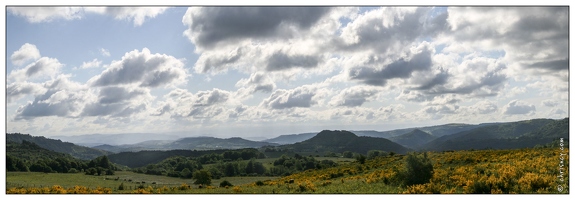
517	107
401	68
281	61
143	68
208	26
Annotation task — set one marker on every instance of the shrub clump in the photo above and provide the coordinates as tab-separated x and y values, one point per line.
418	170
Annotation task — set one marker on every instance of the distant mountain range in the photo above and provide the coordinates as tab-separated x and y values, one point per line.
91	140
190	143
504	135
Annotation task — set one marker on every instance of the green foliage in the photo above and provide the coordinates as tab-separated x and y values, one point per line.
186	173
259	183
286	165
143	158
225	183
360	158
376	153
73	170
329	154
203	177
121	187
347	154
418	170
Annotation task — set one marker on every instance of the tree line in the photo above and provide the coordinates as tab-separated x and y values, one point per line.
29	157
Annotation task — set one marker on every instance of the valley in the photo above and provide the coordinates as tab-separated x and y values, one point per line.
461	159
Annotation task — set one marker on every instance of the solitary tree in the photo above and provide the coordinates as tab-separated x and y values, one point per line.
202	177
419	169
347	154
186	173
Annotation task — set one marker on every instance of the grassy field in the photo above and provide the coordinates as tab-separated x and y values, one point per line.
522	171
39	179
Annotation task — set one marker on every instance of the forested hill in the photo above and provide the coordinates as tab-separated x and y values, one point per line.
340	141
511	135
143	158
32	153
80	152
413	139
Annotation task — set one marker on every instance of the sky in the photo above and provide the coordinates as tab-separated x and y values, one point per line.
268	71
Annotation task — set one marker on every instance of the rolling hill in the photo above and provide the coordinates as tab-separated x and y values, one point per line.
143	158
413	139
511	135
80	152
189	143
91	140
340	141
31	152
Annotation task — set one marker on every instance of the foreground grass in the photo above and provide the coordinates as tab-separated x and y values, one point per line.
523	171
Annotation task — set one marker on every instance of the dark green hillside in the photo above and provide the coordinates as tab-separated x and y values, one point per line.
28	156
511	135
31	152
143	158
450	129
436	131
340	141
76	151
413	139
554	129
